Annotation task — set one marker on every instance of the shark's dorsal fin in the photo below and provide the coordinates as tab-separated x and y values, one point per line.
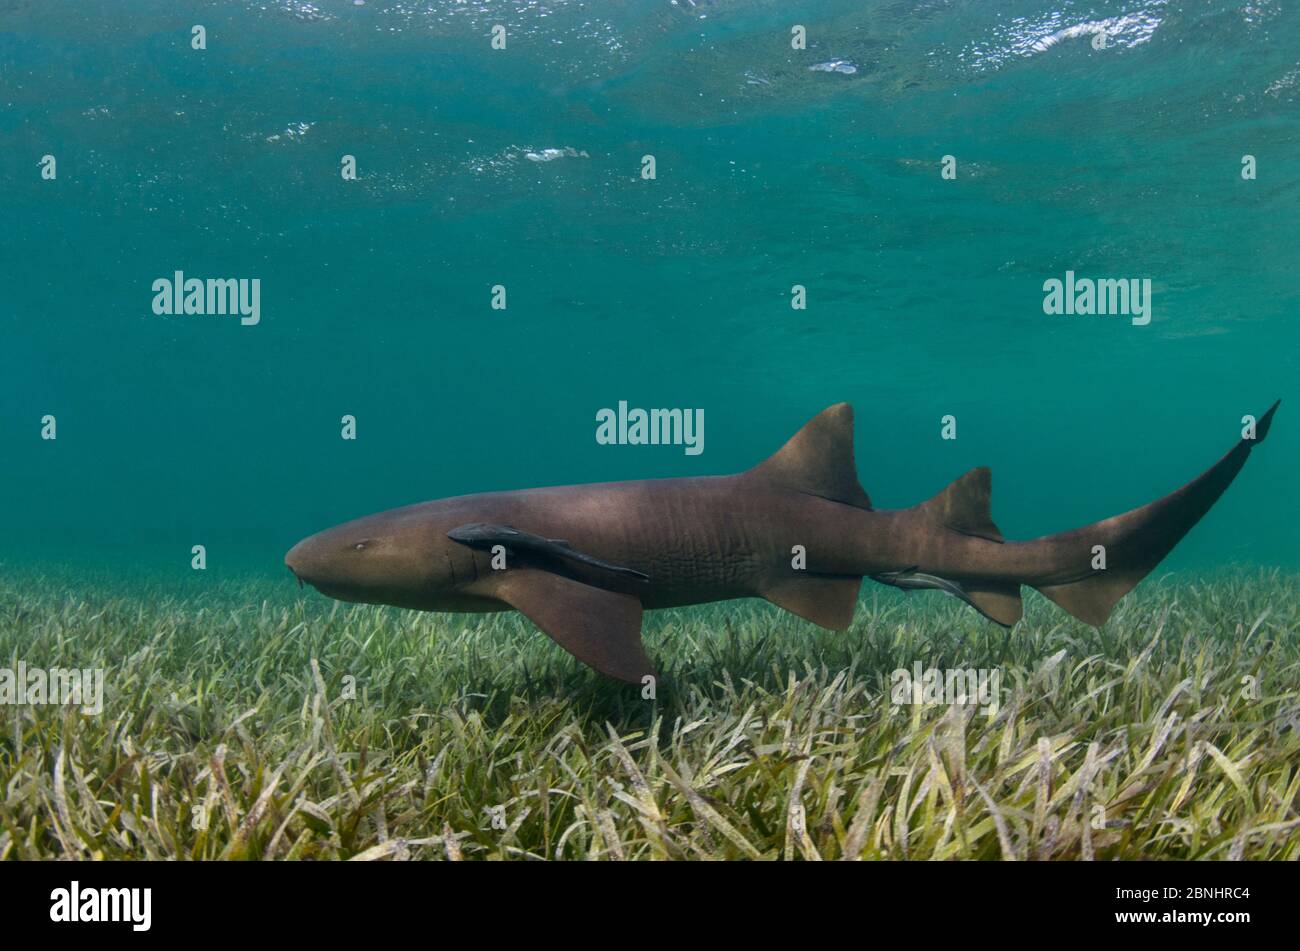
818	459
965	506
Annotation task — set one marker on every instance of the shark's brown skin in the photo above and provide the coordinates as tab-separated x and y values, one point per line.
663	543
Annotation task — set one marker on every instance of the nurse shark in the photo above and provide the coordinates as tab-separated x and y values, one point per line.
583	562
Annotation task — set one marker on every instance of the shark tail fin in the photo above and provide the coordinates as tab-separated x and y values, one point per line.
1131	545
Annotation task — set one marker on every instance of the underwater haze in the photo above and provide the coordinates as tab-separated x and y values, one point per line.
1130	140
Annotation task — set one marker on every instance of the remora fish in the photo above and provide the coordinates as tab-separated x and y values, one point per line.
583	561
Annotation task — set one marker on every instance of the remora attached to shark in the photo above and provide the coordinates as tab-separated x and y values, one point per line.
584	561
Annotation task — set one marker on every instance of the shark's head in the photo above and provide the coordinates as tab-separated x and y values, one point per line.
396	558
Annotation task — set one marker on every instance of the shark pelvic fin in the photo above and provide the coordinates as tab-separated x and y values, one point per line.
827	600
818	459
965	506
601	628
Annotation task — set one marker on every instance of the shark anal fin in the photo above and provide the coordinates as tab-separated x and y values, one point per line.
997	600
601	628
965	506
483	535
827	600
818	459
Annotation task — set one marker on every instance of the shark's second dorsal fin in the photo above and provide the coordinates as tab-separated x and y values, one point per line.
964	506
818	459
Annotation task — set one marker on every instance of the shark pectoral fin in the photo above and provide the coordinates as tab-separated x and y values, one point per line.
827	601
600	628
484	535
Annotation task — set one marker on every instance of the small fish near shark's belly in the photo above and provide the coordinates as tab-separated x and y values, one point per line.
655	580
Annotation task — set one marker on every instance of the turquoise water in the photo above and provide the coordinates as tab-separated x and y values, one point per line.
925	295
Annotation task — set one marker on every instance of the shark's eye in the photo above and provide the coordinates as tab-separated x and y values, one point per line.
360	546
